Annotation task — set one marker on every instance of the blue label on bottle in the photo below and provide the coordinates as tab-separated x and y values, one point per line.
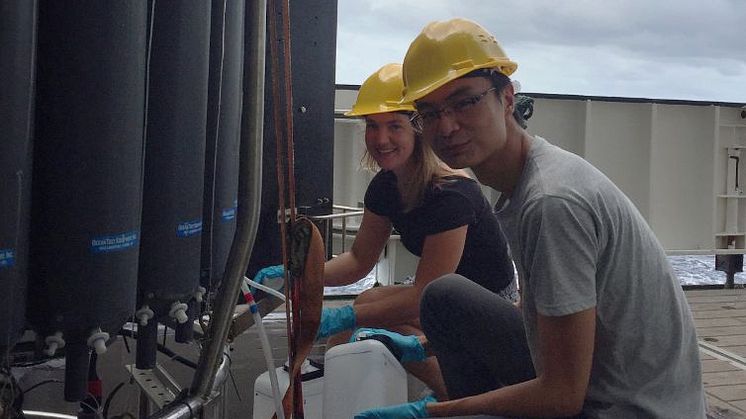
189	228
115	243
228	214
7	258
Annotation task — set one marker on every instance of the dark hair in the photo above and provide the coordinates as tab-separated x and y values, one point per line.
524	105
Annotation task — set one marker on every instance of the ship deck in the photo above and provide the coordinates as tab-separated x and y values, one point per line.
720	318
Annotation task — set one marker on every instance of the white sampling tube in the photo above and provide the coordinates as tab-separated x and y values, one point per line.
264	288
266	348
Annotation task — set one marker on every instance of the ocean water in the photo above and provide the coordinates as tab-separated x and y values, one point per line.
691	270
700	270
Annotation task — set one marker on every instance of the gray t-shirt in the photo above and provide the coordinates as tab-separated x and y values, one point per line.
579	242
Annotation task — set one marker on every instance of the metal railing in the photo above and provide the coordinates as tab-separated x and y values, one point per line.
336	223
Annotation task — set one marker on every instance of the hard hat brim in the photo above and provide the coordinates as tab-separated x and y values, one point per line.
505	67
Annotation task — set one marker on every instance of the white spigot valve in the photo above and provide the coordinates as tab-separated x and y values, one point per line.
199	294
97	341
144	314
53	343
178	312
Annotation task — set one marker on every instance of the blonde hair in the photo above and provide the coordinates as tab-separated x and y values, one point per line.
428	169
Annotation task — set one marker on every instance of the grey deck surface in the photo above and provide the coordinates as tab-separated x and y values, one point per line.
720	317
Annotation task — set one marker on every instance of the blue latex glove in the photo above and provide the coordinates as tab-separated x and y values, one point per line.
335	320
409	346
277	271
410	410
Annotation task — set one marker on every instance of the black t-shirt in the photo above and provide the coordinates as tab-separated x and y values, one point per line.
456	202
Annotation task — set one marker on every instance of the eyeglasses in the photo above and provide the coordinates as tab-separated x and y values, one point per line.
460	107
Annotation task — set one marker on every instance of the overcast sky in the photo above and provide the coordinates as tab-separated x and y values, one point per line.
683	49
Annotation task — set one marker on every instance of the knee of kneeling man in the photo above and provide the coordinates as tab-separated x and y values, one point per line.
439	290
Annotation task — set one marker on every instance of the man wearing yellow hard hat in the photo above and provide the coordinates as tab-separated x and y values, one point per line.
609	330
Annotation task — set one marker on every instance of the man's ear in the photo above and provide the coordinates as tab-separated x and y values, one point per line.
507	97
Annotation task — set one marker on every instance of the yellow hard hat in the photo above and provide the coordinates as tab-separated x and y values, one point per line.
447	50
381	93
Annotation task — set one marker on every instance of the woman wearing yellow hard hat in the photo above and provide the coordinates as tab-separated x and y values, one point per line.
441	215
606	321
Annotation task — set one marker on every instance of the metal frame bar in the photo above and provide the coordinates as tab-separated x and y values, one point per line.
326	224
